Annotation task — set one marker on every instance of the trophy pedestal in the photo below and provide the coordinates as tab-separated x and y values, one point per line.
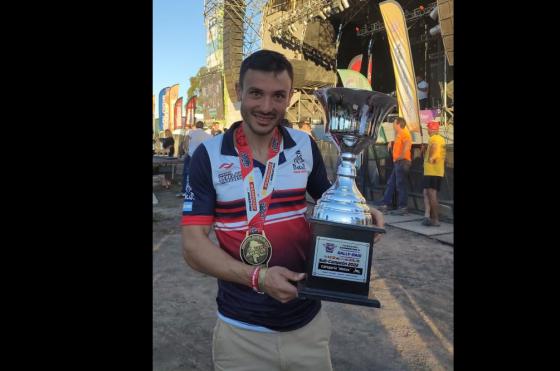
339	297
339	265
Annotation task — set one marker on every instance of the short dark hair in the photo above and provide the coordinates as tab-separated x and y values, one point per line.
268	61
400	121
199	124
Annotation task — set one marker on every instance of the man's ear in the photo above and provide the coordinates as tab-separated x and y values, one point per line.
239	90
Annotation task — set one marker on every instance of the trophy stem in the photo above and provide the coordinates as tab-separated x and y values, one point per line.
347	166
343	202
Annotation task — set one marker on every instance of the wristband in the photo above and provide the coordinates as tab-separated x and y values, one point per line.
254	278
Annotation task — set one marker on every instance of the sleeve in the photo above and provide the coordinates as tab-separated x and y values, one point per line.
318	182
200	194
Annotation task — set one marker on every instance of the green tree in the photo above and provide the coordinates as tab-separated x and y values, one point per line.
194	88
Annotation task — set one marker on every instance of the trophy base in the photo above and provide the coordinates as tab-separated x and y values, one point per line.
339	297
339	264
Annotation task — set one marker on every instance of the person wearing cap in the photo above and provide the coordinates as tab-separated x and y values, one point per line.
434	169
402	159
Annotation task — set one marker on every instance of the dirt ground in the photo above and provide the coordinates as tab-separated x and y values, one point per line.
412	277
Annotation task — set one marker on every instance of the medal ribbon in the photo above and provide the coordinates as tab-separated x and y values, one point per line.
256	202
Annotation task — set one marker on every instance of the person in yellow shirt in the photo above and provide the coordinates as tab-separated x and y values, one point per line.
401	166
434	168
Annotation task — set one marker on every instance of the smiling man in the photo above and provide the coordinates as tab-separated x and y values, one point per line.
250	184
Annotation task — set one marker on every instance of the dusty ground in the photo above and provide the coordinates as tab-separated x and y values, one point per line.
412	278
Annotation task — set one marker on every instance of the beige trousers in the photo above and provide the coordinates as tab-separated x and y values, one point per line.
307	348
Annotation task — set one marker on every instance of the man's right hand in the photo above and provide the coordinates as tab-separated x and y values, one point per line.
277	283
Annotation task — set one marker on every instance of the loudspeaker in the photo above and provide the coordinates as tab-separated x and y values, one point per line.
234	12
445	10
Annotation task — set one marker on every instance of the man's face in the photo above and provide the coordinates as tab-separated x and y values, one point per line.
264	98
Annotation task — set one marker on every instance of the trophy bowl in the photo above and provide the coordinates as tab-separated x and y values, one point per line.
339	265
352	120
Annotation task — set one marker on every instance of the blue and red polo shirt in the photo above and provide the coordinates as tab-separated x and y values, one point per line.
215	196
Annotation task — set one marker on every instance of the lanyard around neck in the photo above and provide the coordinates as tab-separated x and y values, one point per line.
257	202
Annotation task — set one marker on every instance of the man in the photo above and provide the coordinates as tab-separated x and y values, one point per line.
434	168
194	138
245	182
215	129
422	92
401	165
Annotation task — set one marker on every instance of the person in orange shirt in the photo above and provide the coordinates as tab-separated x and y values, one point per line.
434	168
401	166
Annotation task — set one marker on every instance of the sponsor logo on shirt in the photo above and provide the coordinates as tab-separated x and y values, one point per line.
226	165
245	159
229	176
298	163
189	195
274	144
187	206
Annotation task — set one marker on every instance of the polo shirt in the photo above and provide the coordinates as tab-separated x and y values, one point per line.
215	195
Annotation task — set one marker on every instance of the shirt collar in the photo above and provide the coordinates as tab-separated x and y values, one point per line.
228	147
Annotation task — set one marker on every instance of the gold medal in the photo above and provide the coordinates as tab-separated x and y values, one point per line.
255	249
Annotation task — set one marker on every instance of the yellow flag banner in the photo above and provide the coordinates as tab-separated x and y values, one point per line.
405	79
173	95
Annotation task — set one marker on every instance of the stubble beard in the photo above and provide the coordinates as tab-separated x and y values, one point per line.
248	119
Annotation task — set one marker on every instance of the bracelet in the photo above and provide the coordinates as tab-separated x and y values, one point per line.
254	278
262	275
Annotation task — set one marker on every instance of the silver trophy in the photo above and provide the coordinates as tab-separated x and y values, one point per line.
338	268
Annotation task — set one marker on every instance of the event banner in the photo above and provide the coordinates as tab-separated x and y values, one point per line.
163	109
173	95
178	113
190	109
405	79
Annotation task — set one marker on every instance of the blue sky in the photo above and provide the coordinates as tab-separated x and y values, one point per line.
179	43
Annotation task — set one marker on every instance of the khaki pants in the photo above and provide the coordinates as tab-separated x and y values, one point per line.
305	349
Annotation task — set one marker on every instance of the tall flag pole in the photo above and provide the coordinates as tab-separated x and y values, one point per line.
405	79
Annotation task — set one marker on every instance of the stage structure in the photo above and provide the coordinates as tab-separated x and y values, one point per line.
319	36
232	33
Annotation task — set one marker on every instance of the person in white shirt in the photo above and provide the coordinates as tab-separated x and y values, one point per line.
422	92
194	138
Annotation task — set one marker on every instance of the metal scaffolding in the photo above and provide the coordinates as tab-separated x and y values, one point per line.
249	11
